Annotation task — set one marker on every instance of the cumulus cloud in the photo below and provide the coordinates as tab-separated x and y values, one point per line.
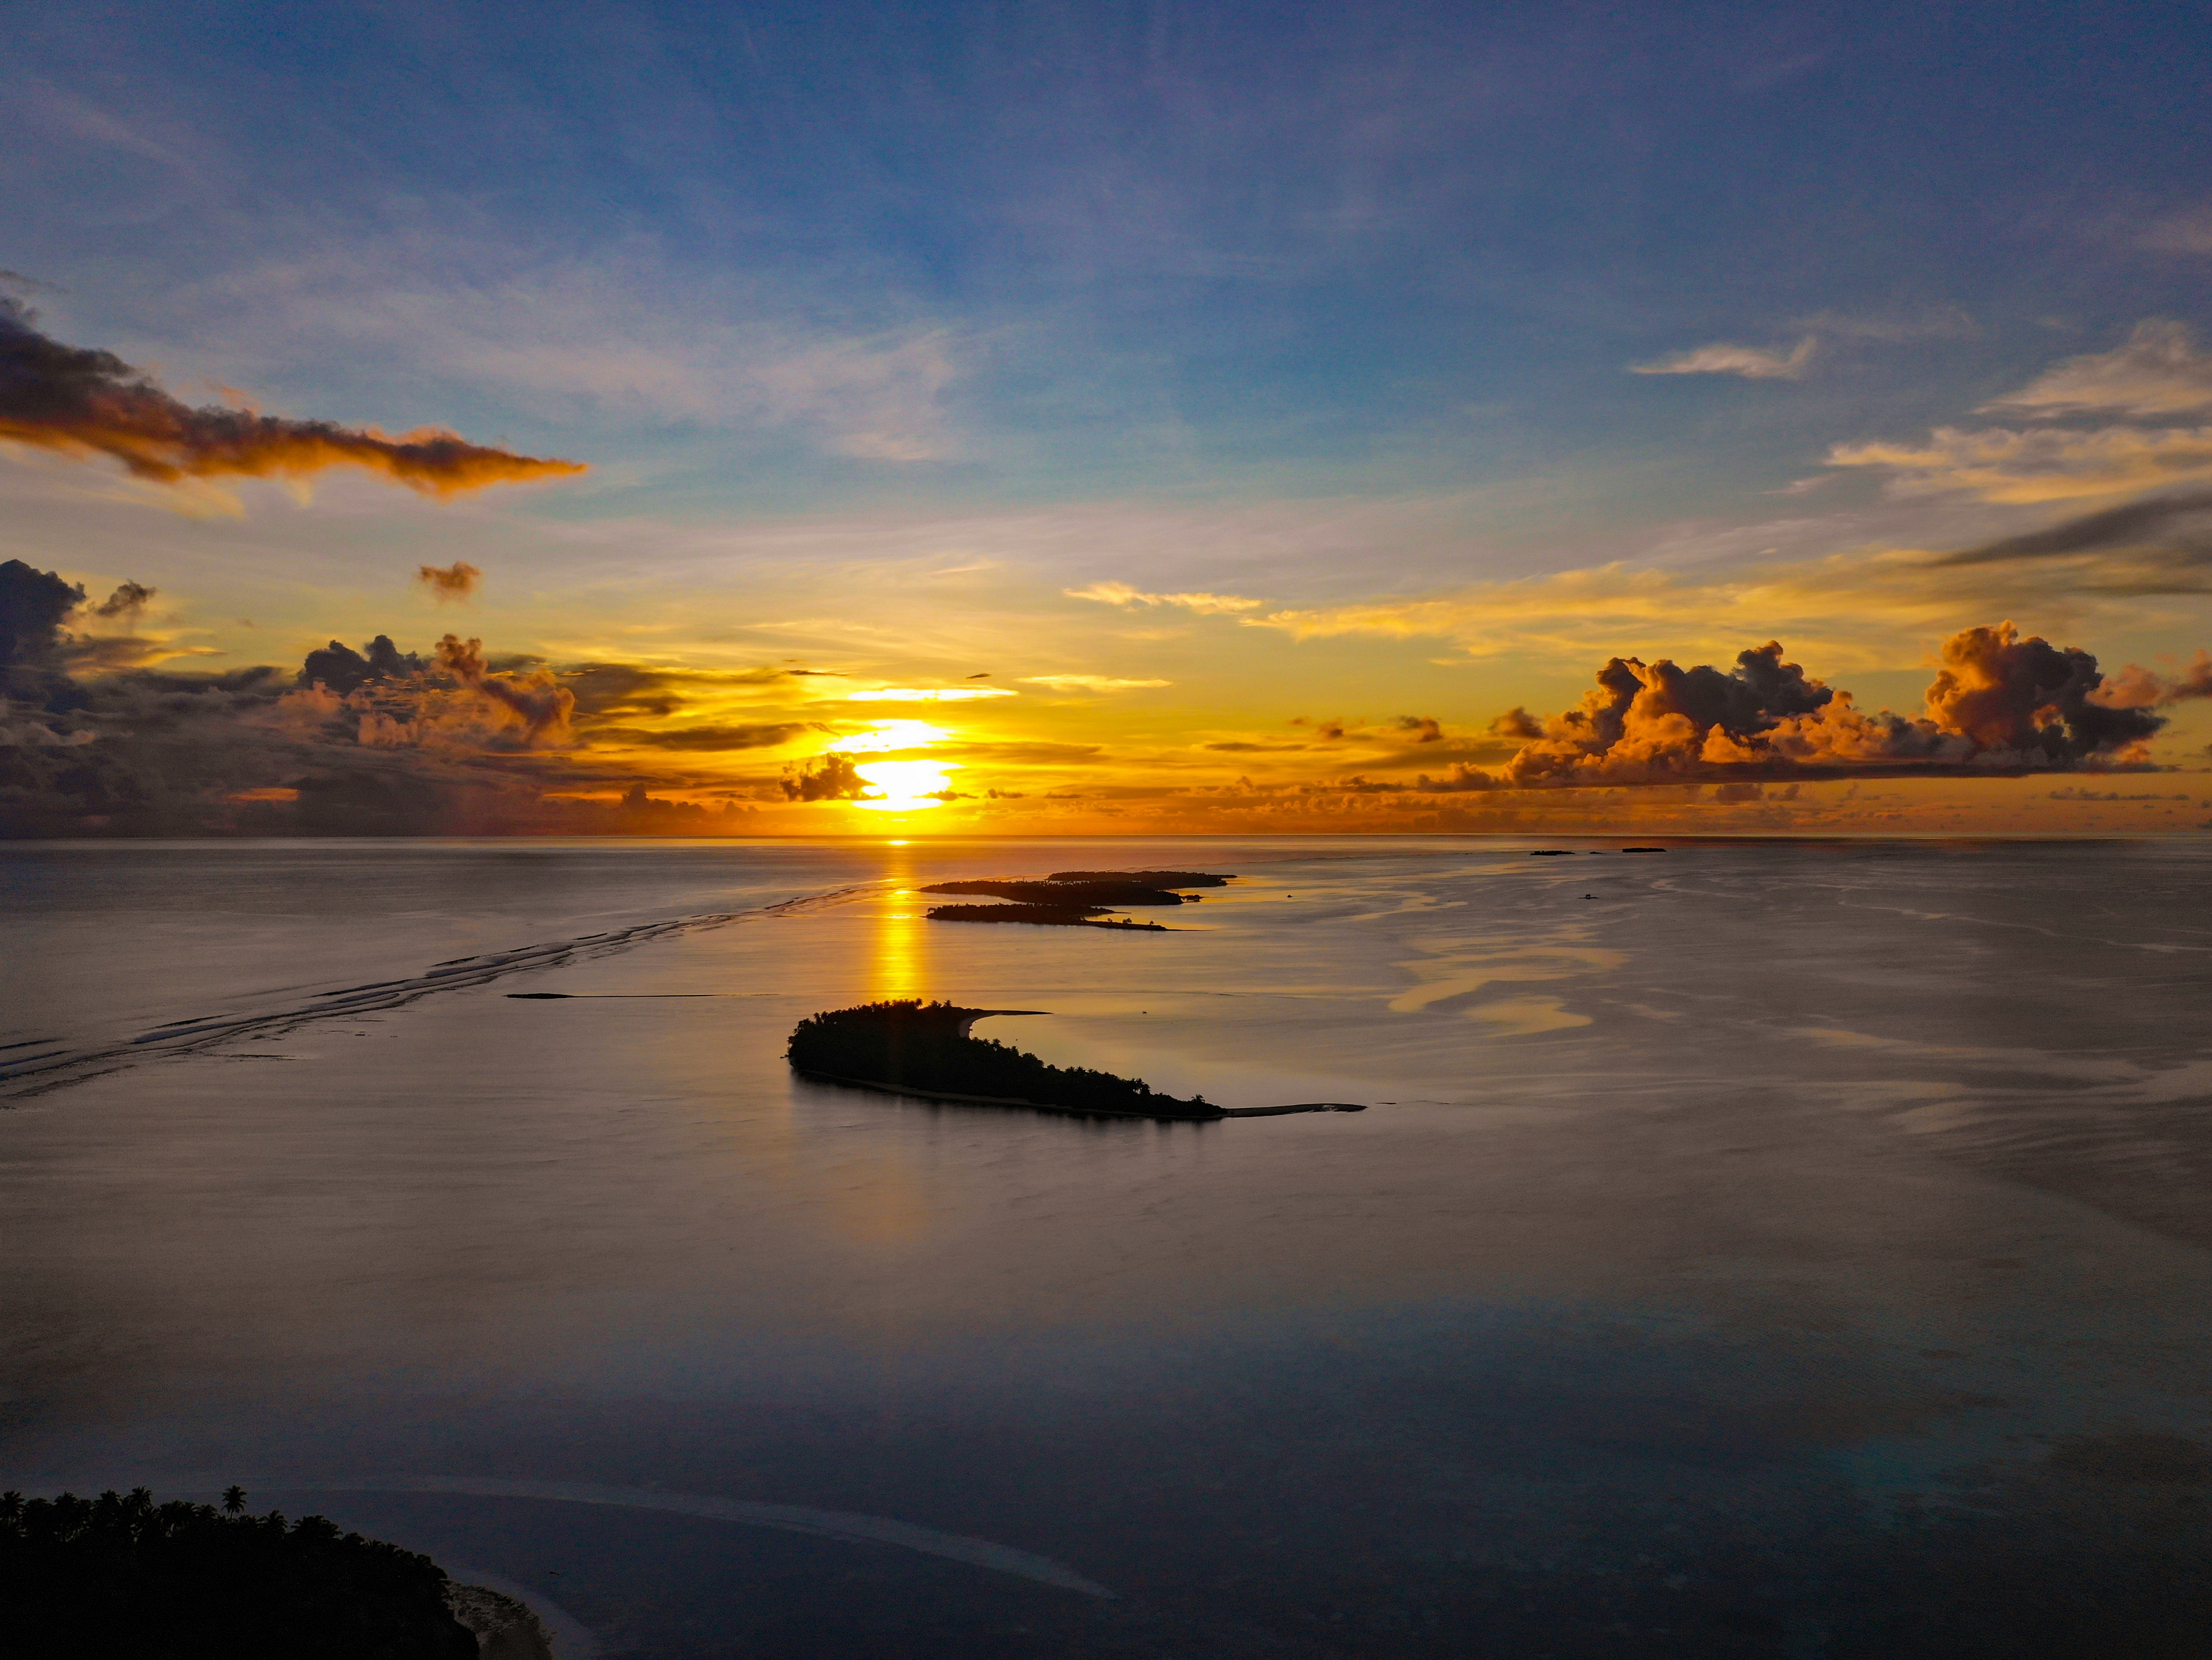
1423	729
830	777
368	741
77	401
33	604
1751	363
1122	594
2135	687
1091	683
2001	703
540	703
128	600
2159	371
458	580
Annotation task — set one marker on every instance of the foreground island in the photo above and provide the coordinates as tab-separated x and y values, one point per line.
122	1575
924	1049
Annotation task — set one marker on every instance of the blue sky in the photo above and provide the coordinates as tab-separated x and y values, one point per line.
1320	305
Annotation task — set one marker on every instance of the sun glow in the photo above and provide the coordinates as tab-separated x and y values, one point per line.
906	786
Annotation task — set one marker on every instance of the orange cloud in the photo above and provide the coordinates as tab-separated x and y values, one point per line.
458	580
2000	703
77	401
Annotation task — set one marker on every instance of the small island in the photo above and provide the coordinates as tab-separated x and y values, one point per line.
1076	898
1063	916
924	1049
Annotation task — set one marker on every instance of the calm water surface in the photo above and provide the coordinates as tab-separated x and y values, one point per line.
1757	1249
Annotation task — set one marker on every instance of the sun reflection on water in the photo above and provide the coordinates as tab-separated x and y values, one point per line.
900	964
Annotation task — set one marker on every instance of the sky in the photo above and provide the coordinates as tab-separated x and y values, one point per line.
760	420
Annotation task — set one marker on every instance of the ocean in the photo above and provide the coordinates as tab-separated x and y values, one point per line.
1788	1247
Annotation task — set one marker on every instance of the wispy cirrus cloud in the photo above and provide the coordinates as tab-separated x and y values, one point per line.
929	695
2036	463
2159	371
1091	683
1751	363
1122	594
2125	564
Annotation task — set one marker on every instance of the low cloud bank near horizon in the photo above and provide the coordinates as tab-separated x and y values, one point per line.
369	741
84	401
1999	704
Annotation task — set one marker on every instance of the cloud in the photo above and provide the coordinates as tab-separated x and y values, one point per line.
765	736
371	741
2138	688
2037	464
2182	232
341	669
831	777
929	693
541	703
1749	361
2158	372
1516	722
33	604
77	401
1425	729
1091	683
128	600
2175	529
1999	704
458	580
1122	594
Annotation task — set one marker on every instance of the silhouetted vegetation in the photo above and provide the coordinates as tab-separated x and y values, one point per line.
924	1049
1091	896
1150	878
119	1575
1071	898
1066	917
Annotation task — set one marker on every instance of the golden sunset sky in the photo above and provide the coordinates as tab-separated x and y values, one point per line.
1103	419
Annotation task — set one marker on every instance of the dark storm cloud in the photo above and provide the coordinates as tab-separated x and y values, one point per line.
342	669
33	604
371	741
79	401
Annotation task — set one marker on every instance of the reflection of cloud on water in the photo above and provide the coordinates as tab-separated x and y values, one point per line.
1523	1017
1446	976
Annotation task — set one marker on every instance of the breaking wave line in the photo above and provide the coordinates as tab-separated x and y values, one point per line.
23	1076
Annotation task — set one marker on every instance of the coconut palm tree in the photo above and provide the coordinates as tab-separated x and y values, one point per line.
233	1501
